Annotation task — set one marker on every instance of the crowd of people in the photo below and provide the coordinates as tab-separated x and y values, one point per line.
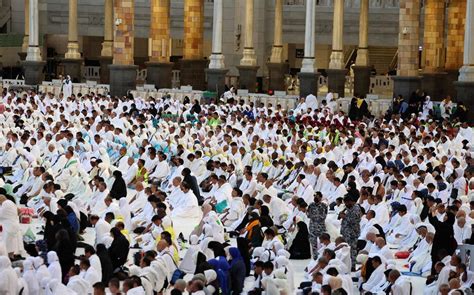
367	201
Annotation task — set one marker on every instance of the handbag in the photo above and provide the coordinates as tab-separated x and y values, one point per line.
220	207
402	254
177	275
26	215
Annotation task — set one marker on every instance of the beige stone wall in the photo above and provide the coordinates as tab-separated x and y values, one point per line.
455	38
408	38
433	38
193	29
160	30
123	33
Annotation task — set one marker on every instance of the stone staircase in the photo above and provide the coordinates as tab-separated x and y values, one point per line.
382	58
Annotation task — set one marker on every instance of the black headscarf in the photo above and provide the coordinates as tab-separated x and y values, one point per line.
119	188
119	249
217	248
300	248
106	263
243	246
444	235
201	263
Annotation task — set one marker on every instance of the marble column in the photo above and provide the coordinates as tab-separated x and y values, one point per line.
308	75
407	80
159	67
465	84
216	72
454	43
336	71
72	61
24	46
362	69
193	64
106	54
277	67
123	71
433	46
248	64
33	64
217	58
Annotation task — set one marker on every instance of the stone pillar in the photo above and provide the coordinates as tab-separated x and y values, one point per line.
123	72
336	71
277	67
362	69
193	64
308	75
159	68
72	43
217	58
216	71
433	43
277	49
72	61
33	64
454	43
106	53
407	80
248	64
24	46
465	84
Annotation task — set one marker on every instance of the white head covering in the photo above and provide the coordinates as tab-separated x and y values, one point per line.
284	253
269	285
210	275
54	267
30	277
193	240
37	262
161	270
57	288
8	275
125	212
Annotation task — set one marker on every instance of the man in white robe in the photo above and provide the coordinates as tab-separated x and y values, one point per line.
162	169
278	208
400	285
311	102
77	283
89	253
11	234
102	230
381	249
420	259
402	227
139	200
381	211
248	185
462	231
377	278
67	87
235	210
88	272
186	204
